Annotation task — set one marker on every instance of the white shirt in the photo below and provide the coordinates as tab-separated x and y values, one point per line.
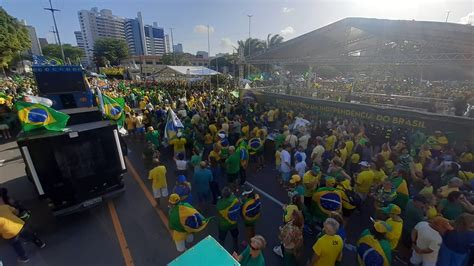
285	157
318	152
303	155
292	139
303	141
428	238
181	164
301	168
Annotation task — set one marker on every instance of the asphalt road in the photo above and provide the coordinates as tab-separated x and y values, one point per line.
138	234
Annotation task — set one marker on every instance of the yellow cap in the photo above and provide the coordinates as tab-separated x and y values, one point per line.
355	158
295	179
174	198
289	212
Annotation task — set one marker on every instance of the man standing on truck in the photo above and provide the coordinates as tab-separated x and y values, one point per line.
12	229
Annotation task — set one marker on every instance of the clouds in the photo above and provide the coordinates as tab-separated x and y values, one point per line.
202	29
468	19
287	9
226	44
287	31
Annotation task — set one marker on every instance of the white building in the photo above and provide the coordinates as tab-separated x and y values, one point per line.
35	45
97	24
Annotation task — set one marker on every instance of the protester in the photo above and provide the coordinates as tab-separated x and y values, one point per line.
252	255
251	210
456	243
12	229
201	183
328	249
159	185
228	208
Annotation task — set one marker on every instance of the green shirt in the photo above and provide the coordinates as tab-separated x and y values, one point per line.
196	160
222	204
412	216
153	137
279	139
248	260
233	163
451	210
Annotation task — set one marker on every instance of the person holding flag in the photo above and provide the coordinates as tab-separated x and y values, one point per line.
228	209
373	248
251	209
184	220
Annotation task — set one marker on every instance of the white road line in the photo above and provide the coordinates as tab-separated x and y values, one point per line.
265	194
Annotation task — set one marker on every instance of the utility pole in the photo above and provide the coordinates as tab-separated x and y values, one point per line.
248	64
447	15
52	10
172	46
208	46
54	34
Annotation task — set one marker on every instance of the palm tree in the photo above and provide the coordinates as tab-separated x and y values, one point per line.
256	45
273	40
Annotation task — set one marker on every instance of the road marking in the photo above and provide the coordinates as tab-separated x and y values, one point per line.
147	192
265	194
127	256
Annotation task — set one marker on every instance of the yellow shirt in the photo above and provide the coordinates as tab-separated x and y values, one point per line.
349	146
158	176
277	158
330	141
10	224
364	181
207	139
328	248
142	105
431	212
178	144
441	141
394	236
215	154
466	157
343	155
379	176
271	116
445	190
129	121
424	154
310	182
213	129
245	131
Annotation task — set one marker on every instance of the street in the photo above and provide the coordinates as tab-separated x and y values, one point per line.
130	230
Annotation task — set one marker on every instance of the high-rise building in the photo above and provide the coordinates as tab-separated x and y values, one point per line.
97	24
167	44
178	48
144	39
35	48
43	42
202	54
80	40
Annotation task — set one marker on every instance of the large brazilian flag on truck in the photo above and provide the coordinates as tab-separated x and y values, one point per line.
35	115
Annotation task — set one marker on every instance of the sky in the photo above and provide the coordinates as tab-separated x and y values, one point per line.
228	20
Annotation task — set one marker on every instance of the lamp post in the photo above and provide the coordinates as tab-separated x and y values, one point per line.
249	42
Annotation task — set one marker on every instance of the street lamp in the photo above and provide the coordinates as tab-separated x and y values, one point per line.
248	64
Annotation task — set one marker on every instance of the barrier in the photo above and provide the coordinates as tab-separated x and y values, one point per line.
461	128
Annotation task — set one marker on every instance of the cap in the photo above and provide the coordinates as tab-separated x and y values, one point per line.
330	181
382	227
181	178
247	190
364	164
441	223
298	157
289	212
363	141
315	169
391	209
221	135
179	134
2	101
295	179
174	198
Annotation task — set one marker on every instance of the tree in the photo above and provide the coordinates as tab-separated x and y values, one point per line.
181	59
273	40
72	52
14	38
256	45
109	51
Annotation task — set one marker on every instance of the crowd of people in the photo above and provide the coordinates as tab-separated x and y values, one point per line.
420	186
416	187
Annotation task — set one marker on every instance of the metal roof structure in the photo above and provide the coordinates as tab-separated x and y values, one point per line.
371	41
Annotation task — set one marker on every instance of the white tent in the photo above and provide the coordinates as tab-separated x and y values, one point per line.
188	71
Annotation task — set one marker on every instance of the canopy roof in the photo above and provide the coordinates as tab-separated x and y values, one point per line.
377	41
189	70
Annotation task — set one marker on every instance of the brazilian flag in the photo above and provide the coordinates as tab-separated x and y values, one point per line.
35	115
327	200
114	108
251	209
185	218
371	252
229	211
